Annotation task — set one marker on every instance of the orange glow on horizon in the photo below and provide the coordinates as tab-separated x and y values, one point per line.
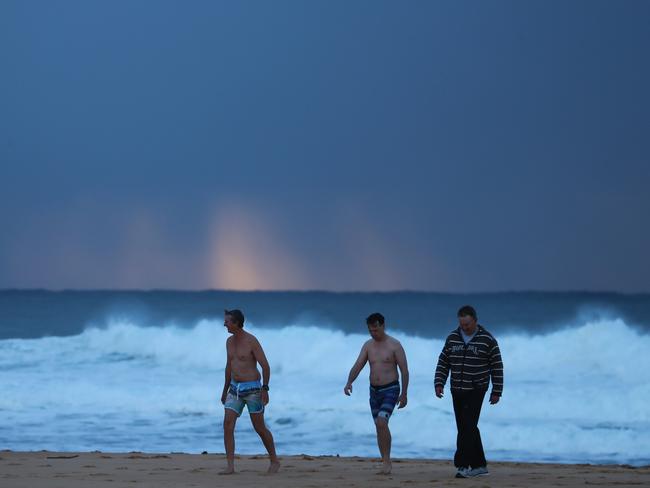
247	253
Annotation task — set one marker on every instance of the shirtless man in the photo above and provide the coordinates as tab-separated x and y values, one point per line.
385	355
243	388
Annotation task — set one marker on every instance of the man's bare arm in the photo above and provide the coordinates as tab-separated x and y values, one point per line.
402	364
228	373
356	369
260	357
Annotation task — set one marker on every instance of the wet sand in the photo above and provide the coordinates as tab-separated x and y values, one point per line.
90	470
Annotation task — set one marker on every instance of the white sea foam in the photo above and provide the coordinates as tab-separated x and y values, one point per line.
576	395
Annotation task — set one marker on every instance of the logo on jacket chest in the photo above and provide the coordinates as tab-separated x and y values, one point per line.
470	347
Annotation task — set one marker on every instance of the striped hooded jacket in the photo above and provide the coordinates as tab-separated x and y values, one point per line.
471	364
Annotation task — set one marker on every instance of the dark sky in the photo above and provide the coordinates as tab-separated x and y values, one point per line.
339	145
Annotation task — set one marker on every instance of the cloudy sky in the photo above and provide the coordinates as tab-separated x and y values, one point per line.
337	145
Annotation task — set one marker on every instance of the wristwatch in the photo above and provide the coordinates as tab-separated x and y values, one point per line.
265	387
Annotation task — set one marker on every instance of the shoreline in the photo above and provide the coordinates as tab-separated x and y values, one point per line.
36	469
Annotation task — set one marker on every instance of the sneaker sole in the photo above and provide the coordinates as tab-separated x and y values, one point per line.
476	475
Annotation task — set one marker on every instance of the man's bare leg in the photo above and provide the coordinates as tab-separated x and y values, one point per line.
384	441
229	420
257	419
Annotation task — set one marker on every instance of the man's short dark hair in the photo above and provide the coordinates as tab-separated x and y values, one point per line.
374	318
467	311
236	315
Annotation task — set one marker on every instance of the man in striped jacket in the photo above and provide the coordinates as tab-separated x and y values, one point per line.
472	356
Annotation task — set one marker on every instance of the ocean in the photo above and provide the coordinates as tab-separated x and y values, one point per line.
144	370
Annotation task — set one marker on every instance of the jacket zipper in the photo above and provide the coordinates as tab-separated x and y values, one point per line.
462	369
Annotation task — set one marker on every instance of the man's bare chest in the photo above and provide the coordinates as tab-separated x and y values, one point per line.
241	352
381	355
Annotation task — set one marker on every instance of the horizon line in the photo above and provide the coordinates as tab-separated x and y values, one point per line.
315	290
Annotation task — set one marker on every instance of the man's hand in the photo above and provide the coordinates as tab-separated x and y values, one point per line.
439	390
265	397
402	401
348	389
494	399
223	397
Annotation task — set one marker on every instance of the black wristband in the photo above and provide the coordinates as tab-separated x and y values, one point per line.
265	387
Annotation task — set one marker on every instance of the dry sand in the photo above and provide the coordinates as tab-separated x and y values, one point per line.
90	470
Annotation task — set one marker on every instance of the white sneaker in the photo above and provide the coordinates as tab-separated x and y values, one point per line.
462	472
480	471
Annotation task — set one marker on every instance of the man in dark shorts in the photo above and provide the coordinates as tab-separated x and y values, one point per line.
472	356
385	354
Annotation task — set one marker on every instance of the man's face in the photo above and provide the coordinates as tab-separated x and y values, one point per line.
376	330
467	324
230	324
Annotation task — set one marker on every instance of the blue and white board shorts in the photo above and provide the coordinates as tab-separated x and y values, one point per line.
383	399
245	393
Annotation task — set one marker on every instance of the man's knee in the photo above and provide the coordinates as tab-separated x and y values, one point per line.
258	424
229	423
381	423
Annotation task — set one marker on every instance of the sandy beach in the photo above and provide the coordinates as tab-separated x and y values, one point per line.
70	470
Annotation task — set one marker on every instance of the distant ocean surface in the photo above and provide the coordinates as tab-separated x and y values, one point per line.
143	371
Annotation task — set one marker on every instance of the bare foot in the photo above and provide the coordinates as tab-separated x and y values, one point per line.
386	468
228	470
273	468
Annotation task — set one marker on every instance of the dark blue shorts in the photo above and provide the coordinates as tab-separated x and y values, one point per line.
383	399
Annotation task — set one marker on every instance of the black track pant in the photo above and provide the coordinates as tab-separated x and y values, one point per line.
469	449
